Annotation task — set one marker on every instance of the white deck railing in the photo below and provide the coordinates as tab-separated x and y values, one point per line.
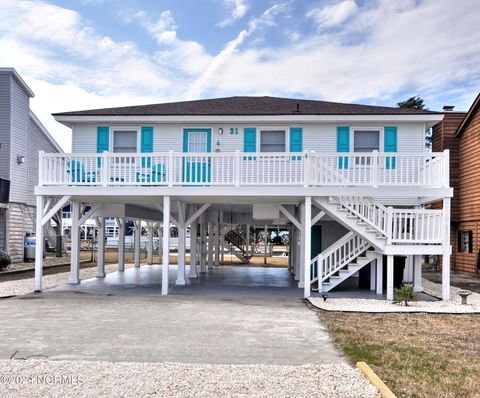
245	169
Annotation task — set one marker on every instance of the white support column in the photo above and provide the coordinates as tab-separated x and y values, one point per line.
101	248
150	244
247	239
137	241
203	238
75	245
217	240
265	246
301	271
121	244
182	232
39	245
308	246
379	273
211	239
193	250
160	242
166	244
390	277
446	250
417	274
408	270
373	278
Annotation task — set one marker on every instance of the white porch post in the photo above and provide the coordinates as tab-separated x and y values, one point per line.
150	244
247	239
203	237
121	244
446	250
373	270
390	277
101	248
217	240
75	245
160	242
210	245
408	270
181	244
417	274
138	228
166	243
193	250
39	245
266	243
379	273
301	271
307	246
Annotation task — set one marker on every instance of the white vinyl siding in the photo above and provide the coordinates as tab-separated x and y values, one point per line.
316	137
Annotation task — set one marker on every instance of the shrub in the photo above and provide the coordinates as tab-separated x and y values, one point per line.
5	260
404	294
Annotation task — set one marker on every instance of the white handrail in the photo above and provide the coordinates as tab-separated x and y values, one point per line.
245	169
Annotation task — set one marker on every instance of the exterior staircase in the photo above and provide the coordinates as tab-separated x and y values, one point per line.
239	246
340	261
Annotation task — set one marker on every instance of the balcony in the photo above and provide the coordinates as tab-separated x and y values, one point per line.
238	169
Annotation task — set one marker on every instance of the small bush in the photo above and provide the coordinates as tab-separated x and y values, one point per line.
404	294
5	260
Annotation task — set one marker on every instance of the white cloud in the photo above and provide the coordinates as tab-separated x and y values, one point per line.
333	15
239	9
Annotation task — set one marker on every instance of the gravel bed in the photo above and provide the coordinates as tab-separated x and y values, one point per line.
25	286
31	264
132	379
453	305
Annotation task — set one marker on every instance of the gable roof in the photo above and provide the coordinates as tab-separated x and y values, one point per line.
470	114
247	106
45	132
18	78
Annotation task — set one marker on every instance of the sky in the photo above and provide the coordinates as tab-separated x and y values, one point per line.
86	54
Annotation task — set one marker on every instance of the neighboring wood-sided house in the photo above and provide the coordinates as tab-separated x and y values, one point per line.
351	183
460	133
22	136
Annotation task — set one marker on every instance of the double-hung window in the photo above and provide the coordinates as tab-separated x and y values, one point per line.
272	141
124	141
365	141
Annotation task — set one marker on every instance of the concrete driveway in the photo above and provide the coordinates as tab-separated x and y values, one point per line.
241	328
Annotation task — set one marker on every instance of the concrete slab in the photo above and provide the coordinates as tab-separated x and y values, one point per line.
226	323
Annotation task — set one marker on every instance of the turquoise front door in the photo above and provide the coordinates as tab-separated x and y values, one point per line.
197	165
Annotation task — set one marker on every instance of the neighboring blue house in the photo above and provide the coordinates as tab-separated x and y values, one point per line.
21	137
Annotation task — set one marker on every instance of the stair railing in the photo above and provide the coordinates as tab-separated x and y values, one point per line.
337	256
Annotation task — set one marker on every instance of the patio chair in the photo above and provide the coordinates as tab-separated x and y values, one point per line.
77	173
154	174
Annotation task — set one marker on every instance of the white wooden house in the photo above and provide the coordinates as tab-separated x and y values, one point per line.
352	181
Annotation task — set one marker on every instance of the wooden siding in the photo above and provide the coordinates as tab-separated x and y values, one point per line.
5	88
443	137
19	142
3	231
21	222
464	262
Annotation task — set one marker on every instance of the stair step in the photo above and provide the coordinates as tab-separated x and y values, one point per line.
341	209
362	223
381	237
351	216
371	230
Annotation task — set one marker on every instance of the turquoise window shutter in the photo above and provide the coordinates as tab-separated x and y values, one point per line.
209	140
390	145
296	141
185	141
146	144
250	141
103	138
343	145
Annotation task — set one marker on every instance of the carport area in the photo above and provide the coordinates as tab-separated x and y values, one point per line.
232	315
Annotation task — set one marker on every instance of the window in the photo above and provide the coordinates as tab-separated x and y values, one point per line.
465	241
197	141
124	141
366	140
272	141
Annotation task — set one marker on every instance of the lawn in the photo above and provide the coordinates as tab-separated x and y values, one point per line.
417	355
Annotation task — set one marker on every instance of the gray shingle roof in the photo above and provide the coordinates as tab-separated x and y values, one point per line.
231	106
